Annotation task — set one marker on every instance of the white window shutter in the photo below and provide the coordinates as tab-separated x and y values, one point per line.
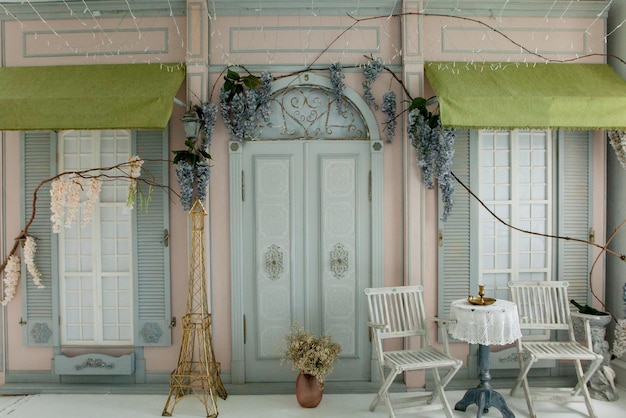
454	233
152	246
574	211
40	308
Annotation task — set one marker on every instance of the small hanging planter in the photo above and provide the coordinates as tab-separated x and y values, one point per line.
434	147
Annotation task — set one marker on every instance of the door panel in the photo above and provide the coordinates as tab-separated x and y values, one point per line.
306	251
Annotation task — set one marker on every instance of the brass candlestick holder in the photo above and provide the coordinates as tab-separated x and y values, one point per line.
481	299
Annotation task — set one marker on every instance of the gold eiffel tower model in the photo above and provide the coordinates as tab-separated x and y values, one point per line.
197	373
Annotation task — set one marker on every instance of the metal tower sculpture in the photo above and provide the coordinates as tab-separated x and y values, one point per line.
197	373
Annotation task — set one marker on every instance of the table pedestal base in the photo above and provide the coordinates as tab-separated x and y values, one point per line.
483	395
484	398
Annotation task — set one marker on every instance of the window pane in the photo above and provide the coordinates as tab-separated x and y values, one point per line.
514	182
95	301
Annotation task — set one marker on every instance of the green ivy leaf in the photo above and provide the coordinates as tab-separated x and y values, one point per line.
418	103
251	81
232	75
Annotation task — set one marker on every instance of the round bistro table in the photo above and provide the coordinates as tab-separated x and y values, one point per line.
485	325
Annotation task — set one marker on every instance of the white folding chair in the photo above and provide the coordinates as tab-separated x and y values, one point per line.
544	306
398	312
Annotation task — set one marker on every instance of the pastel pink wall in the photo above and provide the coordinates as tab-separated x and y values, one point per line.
410	210
30	47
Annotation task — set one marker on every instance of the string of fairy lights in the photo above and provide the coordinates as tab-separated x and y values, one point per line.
126	35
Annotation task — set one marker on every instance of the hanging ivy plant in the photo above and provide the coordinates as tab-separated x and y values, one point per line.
244	103
434	146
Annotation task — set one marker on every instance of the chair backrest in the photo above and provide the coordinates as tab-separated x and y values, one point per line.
542	305
400	309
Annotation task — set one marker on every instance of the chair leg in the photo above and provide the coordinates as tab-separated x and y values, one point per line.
582	386
582	380
524	367
383	393
529	399
522	380
439	391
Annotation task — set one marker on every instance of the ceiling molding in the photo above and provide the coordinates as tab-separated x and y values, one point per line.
59	9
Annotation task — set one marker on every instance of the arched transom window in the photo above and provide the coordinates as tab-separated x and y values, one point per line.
310	112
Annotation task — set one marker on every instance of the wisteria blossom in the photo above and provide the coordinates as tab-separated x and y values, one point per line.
243	111
29	259
12	274
434	147
203	175
617	139
134	164
72	201
209	116
184	171
93	194
389	109
336	80
58	195
371	71
265	92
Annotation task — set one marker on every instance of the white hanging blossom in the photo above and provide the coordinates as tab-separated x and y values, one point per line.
58	193
134	164
619	344
12	274
72	202
618	142
29	259
93	194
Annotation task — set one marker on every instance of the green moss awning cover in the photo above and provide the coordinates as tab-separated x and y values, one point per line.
127	96
519	95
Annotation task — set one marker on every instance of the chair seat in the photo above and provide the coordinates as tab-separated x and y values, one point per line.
397	314
545	306
553	350
418	359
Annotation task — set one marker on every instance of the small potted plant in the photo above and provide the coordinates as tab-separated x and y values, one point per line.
313	357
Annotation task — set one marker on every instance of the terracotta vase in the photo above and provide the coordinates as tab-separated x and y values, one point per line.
309	392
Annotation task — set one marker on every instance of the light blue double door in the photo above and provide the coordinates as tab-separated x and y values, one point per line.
307	252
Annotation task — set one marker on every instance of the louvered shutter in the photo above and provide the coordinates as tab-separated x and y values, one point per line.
153	279
574	211
40	307
454	234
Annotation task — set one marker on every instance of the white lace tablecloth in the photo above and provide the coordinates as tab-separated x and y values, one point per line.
496	324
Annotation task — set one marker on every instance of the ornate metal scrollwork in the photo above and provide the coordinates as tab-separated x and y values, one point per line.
339	261
274	262
41	333
151	332
94	363
306	112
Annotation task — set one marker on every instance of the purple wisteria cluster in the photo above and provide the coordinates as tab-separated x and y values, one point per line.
371	71
389	109
192	164
434	146
184	172
209	116
336	80
244	109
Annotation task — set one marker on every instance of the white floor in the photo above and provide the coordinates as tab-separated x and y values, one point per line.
263	406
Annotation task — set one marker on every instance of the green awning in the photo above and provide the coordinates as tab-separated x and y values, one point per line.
127	96
519	95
